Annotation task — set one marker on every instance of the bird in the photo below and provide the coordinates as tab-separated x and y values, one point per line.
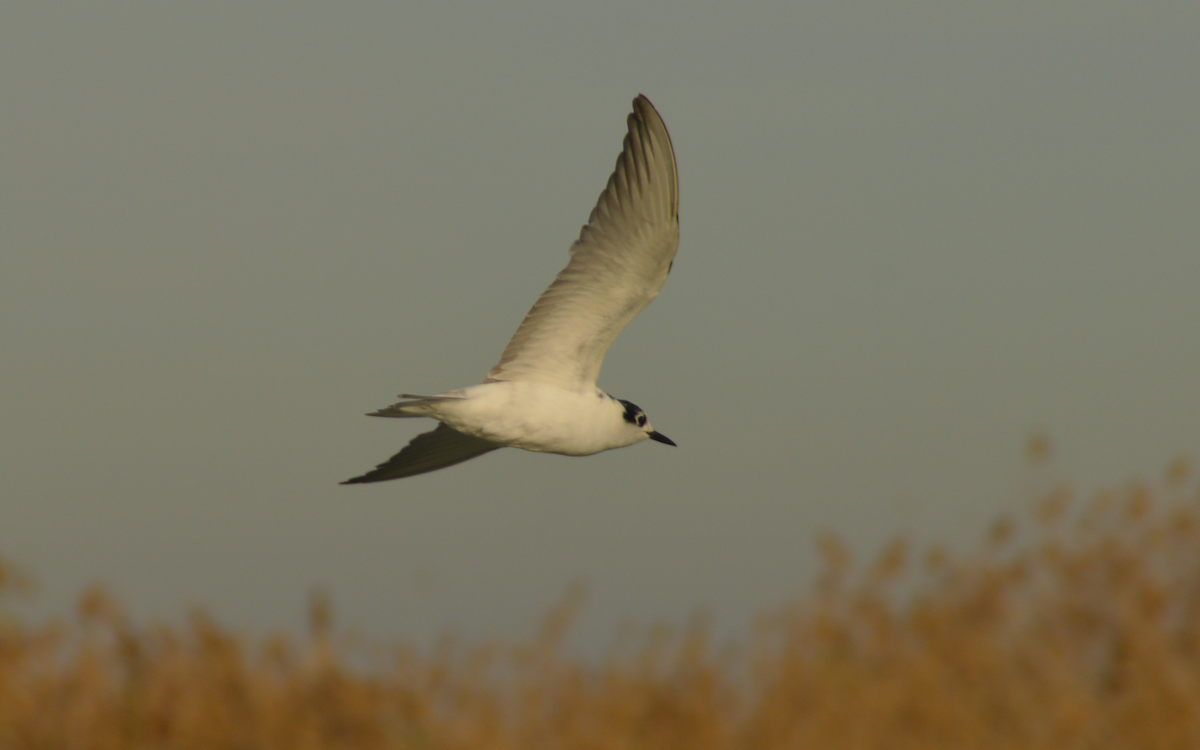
542	395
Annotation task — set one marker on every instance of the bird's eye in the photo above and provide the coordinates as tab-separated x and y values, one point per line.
641	420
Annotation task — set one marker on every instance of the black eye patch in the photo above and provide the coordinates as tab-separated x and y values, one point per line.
632	412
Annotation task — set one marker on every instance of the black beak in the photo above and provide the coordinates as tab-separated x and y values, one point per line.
662	438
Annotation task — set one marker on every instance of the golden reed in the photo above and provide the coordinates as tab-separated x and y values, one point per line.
1078	629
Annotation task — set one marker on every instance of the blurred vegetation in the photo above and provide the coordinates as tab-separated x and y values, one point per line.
1077	627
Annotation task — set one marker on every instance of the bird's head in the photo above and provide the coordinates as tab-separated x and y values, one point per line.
636	419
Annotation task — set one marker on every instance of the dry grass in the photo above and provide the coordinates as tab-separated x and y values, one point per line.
1080	629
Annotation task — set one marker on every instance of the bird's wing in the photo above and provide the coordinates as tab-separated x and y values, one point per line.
617	266
429	451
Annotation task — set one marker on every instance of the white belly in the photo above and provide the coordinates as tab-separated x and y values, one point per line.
538	417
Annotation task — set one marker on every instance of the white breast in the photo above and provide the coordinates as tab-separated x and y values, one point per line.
539	417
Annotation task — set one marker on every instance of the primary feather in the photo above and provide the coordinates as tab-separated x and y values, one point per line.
440	447
617	266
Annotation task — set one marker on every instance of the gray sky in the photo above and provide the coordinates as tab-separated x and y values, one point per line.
912	233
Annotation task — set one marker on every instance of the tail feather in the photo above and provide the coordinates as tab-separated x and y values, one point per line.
416	406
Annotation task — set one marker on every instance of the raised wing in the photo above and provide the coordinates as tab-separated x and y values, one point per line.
429	451
617	266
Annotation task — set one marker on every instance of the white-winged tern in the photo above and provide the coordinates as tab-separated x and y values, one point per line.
542	395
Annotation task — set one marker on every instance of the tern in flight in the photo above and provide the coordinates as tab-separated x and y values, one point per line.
542	395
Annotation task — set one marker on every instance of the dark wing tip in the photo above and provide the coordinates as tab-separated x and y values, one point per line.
645	114
644	110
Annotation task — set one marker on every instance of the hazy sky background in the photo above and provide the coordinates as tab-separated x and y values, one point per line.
912	233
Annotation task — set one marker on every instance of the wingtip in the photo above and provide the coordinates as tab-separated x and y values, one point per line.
641	102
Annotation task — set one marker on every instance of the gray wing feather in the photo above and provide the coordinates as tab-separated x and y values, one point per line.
617	266
429	451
